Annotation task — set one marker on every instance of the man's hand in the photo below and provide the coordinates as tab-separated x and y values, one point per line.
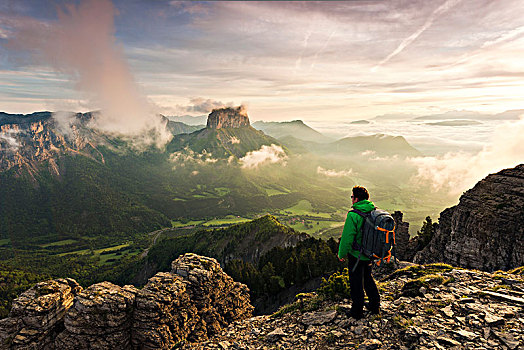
341	259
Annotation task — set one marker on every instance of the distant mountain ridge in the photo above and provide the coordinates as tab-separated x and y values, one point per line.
177	128
372	145
295	128
189	119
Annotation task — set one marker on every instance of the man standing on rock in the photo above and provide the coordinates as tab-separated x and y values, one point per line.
360	278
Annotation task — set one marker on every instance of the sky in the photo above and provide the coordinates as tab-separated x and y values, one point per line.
316	61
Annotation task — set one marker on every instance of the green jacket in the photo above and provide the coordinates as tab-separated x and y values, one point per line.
352	230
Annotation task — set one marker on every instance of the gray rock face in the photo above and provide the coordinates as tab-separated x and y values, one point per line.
485	230
228	118
194	301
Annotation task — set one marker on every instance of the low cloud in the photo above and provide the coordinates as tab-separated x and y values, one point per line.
189	157
234	140
8	140
457	172
333	172
368	153
265	155
201	105
64	122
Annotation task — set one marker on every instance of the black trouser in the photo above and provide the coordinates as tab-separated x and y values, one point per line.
361	280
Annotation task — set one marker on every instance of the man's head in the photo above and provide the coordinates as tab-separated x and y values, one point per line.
359	193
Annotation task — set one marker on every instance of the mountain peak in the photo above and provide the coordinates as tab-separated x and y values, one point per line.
228	117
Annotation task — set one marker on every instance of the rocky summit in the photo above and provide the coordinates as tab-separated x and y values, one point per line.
485	230
193	302
228	118
432	306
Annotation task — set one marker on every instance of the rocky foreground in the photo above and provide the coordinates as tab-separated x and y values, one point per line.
198	306
192	302
423	307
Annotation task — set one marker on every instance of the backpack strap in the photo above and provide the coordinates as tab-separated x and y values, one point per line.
364	215
357	246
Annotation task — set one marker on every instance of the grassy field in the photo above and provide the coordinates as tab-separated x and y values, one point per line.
304	207
59	243
107	259
222	191
228	220
5	241
188	223
272	191
314	228
98	251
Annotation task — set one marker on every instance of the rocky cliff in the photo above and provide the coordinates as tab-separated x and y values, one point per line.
485	230
28	140
228	118
193	302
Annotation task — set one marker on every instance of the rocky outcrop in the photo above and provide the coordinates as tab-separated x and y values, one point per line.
37	315
194	301
228	118
100	318
218	299
422	307
485	230
402	250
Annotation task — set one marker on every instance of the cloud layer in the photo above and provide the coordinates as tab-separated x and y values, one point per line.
265	155
457	172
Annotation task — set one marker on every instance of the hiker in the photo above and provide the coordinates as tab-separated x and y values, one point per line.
360	278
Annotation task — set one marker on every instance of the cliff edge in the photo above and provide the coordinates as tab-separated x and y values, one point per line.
485	231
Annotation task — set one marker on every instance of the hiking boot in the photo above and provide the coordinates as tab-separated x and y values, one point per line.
356	315
371	311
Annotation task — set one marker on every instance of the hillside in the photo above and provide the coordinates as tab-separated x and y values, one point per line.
295	128
222	143
248	242
180	128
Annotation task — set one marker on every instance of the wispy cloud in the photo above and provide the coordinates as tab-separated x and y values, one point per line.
308	60
446	6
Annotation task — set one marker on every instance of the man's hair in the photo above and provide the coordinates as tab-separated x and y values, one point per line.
360	192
